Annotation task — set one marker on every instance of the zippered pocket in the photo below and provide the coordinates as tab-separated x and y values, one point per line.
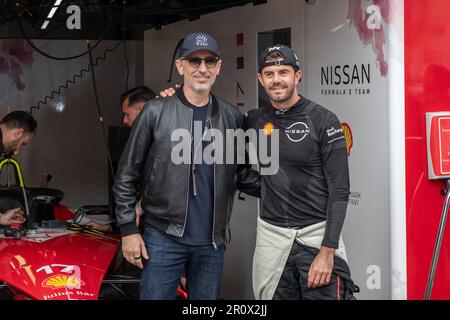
155	173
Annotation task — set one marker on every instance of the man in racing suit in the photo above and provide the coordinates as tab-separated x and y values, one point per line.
299	251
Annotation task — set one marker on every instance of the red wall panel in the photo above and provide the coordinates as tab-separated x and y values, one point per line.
427	85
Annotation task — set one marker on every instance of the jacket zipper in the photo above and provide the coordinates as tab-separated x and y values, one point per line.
281	114
194	181
191	113
214	199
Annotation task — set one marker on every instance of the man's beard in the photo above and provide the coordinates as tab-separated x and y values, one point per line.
283	98
199	87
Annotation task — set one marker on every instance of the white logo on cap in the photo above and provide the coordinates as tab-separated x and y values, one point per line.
201	40
274	48
296	59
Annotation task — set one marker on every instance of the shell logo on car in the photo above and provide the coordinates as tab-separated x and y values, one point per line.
62	281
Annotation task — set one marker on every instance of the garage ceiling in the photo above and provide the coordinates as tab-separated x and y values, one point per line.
118	18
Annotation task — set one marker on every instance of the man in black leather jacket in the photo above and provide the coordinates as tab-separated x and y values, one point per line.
187	205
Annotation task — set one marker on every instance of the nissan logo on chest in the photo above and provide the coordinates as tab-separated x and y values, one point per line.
297	131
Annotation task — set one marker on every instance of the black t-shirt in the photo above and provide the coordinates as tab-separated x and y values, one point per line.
312	184
198	229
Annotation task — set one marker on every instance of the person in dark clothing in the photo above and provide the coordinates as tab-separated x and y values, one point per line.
299	252
16	130
133	102
187	204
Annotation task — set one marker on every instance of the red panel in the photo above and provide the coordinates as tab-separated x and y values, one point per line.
68	267
239	39
440	145
427	83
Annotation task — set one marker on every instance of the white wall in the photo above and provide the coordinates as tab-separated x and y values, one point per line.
333	41
69	144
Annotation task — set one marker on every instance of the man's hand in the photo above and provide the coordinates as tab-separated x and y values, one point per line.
169	91
99	226
321	268
12	216
133	248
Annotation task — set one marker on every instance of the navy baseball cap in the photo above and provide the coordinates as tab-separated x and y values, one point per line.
198	41
288	55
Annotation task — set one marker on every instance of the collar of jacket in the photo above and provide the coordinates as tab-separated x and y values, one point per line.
215	105
298	106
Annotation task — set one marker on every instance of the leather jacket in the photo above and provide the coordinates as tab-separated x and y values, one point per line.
146	162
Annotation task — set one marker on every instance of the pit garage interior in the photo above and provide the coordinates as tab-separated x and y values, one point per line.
379	65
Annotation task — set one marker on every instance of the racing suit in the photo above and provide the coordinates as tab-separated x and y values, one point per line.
303	205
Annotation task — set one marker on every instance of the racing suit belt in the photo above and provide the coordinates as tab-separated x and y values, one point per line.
273	245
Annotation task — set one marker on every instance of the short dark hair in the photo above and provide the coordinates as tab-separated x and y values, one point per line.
20	119
138	94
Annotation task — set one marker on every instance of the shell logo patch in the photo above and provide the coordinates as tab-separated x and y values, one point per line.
348	136
62	281
268	128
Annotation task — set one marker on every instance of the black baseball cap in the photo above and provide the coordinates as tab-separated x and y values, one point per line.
289	57
198	41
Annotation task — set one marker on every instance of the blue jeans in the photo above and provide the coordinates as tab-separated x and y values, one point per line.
170	260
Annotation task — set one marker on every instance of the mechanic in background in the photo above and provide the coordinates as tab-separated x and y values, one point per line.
132	102
16	130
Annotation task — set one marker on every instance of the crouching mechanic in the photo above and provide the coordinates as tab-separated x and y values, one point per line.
187	205
299	251
16	130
